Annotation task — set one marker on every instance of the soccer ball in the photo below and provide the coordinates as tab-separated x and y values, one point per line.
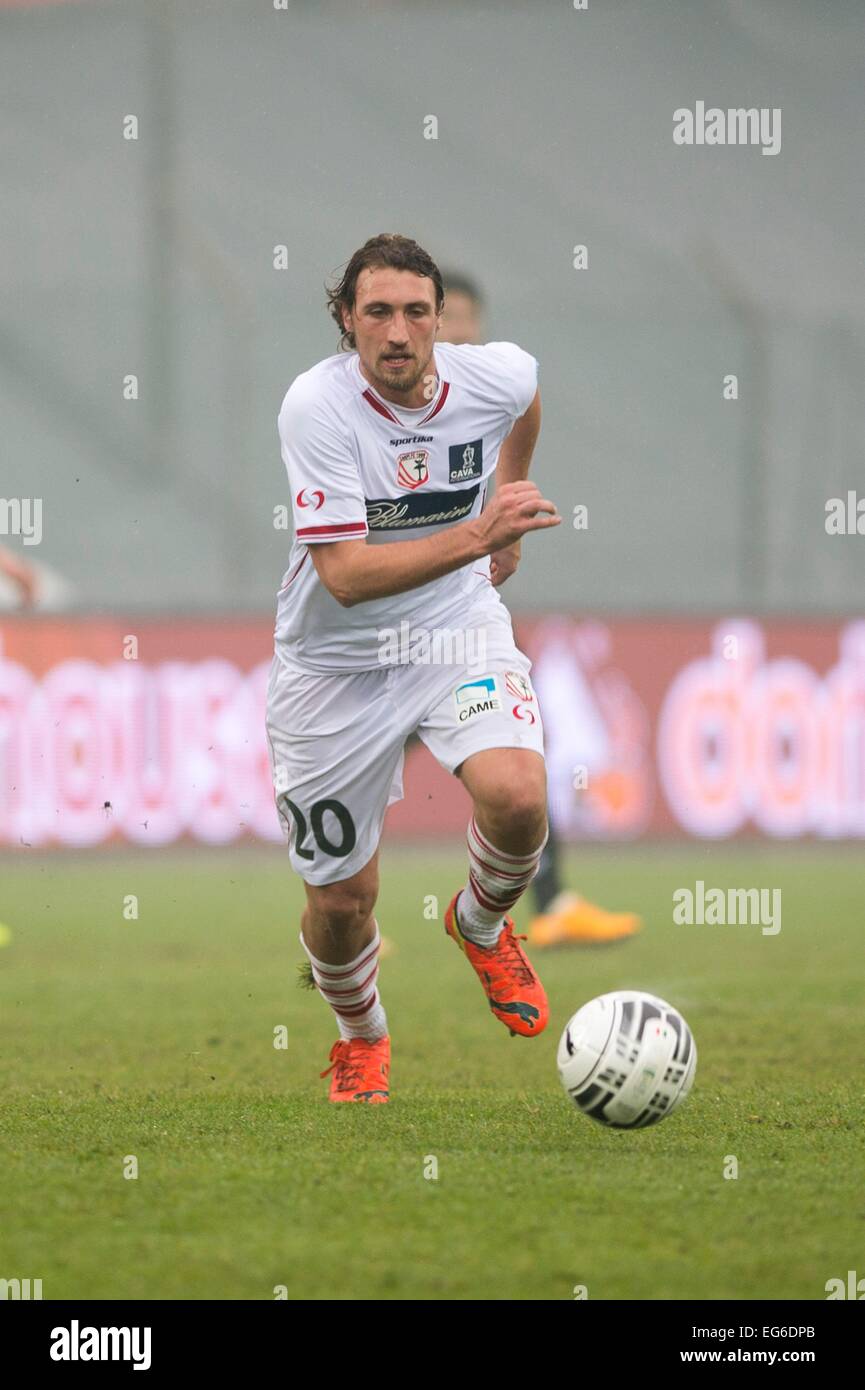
627	1059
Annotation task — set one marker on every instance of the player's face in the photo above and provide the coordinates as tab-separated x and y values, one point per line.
394	322
460	319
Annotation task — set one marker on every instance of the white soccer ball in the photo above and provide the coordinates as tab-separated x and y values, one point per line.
627	1059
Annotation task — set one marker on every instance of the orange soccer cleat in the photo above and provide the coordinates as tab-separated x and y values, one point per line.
570	920
360	1070
516	995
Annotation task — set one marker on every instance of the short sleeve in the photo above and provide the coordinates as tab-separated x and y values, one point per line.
516	371
326	494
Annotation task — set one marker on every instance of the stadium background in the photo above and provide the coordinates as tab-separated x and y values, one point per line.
155	256
699	645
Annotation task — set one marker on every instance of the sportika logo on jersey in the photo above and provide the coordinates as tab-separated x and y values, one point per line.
412	470
473	698
466	461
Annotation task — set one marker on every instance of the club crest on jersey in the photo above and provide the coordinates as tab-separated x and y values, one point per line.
519	686
466	461
412	470
474	698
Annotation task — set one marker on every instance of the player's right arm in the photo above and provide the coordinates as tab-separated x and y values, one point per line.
330	513
356	572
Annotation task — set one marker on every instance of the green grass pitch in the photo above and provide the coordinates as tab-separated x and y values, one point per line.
153	1038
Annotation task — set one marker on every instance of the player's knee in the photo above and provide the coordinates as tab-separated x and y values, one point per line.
528	815
519	806
343	909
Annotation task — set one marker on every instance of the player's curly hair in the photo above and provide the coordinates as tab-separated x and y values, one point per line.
386	249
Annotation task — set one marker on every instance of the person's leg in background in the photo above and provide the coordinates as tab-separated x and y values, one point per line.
563	917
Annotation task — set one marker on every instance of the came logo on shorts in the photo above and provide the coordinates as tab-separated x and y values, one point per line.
477	697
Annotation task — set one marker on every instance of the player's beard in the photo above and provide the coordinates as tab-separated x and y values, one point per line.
403	381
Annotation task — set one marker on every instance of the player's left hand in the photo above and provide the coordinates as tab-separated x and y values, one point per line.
503	563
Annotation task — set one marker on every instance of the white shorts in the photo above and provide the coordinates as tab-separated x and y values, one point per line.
336	742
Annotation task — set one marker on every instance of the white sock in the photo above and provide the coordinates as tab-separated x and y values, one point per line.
496	881
351	991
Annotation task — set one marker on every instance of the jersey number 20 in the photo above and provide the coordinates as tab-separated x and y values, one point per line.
319	834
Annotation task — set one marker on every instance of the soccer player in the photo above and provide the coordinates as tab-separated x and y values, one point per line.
390	449
561	916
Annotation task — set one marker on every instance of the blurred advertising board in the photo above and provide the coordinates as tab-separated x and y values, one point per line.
151	731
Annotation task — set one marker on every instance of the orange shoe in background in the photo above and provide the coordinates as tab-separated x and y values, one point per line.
516	995
571	920
360	1070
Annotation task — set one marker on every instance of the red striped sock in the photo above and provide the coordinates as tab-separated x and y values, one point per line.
496	881
351	991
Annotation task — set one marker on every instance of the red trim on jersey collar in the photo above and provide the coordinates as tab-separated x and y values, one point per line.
379	405
443	395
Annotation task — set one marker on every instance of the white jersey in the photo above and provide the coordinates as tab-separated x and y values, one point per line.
360	467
